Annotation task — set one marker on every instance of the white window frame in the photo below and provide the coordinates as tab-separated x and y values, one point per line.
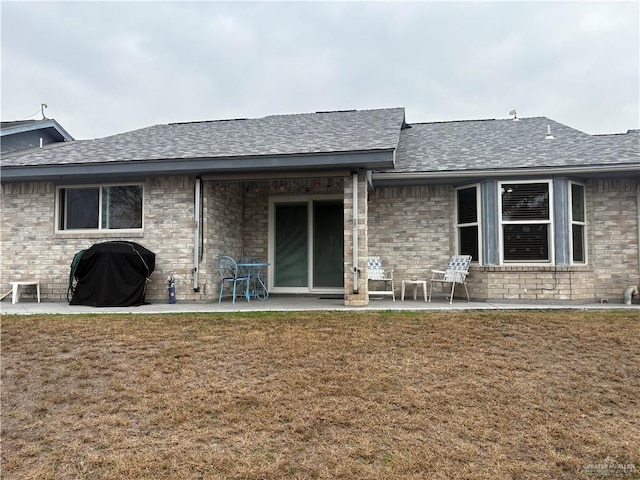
477	223
99	187
573	222
549	221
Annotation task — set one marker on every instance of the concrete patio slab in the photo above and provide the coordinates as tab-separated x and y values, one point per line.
276	303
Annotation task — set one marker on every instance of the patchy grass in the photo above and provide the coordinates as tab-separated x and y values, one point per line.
473	395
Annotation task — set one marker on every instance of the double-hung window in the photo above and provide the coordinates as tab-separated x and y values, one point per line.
522	222
468	221
100	207
526	222
578	224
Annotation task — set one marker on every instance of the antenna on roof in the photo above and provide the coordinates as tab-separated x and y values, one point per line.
515	114
42	107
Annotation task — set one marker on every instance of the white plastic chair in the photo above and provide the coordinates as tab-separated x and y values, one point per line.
455	274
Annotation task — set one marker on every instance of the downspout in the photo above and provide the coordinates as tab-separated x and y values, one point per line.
196	234
355	233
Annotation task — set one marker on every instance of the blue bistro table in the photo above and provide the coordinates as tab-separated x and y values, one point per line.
257	285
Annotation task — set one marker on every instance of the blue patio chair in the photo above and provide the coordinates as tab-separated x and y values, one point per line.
229	273
246	271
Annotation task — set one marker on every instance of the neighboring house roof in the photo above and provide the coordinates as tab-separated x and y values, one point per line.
365	138
26	134
482	147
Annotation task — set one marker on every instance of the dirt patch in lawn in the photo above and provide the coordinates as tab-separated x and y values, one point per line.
471	395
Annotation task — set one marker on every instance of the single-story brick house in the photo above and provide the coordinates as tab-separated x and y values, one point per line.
548	212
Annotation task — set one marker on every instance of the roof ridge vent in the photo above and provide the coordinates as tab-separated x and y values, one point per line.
229	120
209	121
336	111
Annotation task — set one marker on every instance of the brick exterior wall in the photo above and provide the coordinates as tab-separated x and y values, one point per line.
411	228
29	250
613	238
222	233
169	225
32	249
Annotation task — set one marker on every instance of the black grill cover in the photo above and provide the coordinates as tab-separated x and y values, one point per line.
113	274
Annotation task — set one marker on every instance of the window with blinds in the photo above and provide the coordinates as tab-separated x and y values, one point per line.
526	222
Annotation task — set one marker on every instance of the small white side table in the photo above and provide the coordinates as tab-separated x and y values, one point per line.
15	289
415	284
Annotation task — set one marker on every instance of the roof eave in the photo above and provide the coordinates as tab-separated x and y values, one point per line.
378	159
444	176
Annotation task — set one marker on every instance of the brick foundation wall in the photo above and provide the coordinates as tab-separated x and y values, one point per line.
530	283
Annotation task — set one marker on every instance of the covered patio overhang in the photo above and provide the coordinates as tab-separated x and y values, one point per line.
254	165
309	225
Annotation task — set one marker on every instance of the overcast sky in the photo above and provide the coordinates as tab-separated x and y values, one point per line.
105	67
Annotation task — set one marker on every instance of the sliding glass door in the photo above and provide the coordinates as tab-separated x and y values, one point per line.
307	245
328	244
291	245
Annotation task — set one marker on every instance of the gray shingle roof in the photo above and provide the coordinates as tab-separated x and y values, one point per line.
500	144
276	135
